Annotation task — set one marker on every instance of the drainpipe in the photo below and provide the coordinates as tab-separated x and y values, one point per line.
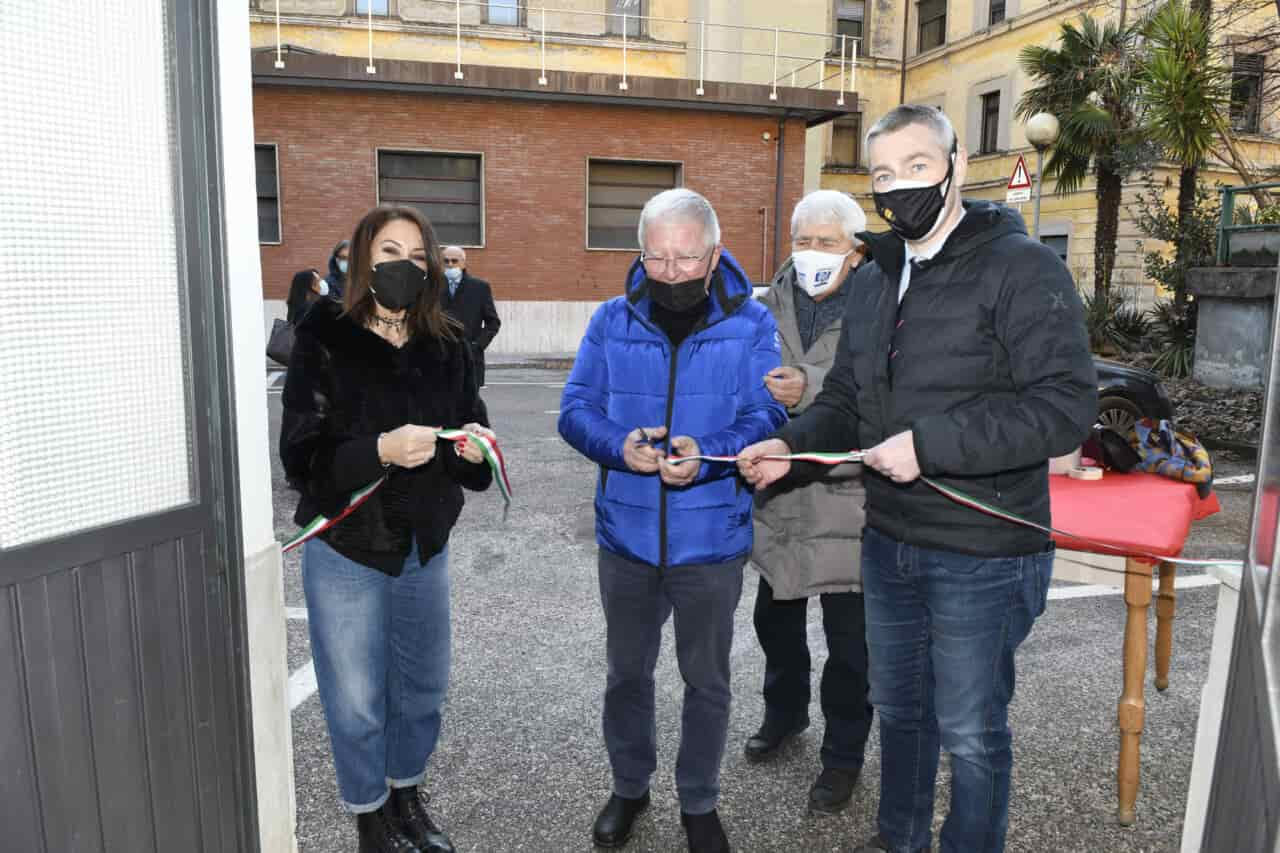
777	188
902	74
764	244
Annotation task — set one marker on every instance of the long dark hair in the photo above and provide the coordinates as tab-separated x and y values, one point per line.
300	290
428	316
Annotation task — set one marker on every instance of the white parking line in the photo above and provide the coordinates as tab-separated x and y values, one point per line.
551	412
302	682
301	685
1058	593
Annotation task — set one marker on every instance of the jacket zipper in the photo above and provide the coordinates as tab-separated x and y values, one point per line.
662	487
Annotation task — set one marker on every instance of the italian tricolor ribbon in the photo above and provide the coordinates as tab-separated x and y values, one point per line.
973	503
996	512
820	458
488	448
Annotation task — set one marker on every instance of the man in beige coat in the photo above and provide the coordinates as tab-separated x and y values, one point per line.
808	528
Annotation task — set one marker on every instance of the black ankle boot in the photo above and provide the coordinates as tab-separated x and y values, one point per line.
409	808
380	833
776	729
614	823
705	833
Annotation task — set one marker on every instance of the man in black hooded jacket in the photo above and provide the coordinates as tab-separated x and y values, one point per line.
963	359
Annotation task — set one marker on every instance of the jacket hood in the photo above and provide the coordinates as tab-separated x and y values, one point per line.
730	287
336	274
983	222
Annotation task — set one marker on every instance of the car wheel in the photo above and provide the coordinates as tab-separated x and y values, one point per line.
1118	414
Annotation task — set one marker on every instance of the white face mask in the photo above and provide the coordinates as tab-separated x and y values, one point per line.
323	288
816	271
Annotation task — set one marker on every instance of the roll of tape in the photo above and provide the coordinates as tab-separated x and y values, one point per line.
1081	472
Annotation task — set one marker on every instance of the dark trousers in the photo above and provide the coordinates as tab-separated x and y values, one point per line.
782	629
638	599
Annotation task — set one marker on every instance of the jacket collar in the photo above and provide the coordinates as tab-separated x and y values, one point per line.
983	222
330	325
730	287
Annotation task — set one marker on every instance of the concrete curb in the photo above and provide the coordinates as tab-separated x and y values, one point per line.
545	361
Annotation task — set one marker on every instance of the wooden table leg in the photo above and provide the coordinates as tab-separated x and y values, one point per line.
1166	604
1137	599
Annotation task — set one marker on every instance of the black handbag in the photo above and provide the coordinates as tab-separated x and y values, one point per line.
280	342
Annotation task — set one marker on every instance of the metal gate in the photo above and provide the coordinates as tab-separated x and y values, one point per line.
124	717
1244	801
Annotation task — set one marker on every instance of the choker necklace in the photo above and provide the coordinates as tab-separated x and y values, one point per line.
389	322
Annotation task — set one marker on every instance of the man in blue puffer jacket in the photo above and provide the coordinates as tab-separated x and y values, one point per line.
673	368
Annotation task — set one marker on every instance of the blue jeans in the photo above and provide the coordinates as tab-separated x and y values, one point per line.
638	599
942	629
381	651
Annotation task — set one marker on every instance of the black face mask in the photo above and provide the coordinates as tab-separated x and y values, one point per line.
912	212
397	285
681	296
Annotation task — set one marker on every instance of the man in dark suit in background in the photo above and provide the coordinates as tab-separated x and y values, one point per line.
470	301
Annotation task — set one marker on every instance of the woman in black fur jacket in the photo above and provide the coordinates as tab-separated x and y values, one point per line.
370	384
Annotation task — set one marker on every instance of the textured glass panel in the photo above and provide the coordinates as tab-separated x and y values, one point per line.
94	420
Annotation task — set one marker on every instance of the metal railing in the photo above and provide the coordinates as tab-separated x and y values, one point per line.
1227	223
821	60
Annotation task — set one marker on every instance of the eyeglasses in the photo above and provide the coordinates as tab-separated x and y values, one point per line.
449	262
684	263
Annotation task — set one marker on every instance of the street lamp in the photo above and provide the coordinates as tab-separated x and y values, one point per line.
1042	132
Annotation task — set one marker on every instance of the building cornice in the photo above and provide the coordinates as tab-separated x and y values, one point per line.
491	81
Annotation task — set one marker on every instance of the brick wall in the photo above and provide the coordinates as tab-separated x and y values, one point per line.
535	177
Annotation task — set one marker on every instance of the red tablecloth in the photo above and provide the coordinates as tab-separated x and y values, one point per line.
1136	512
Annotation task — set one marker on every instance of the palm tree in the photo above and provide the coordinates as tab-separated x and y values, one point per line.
1090	82
1185	94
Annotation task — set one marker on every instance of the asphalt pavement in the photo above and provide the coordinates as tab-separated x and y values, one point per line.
522	767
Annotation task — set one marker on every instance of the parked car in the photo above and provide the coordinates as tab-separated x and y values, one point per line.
1126	394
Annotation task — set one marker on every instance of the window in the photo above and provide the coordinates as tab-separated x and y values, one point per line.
507	13
1057	242
932	31
846	142
635	11
380	7
268	194
616	192
445	187
989	142
996	12
1246	92
849	17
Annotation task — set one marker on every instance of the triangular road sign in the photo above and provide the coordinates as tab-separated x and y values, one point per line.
1021	178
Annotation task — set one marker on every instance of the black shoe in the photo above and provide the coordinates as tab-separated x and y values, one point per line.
408	807
773	733
833	790
380	833
705	833
615	821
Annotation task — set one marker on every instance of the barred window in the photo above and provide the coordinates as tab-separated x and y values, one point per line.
268	193
616	193
447	188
